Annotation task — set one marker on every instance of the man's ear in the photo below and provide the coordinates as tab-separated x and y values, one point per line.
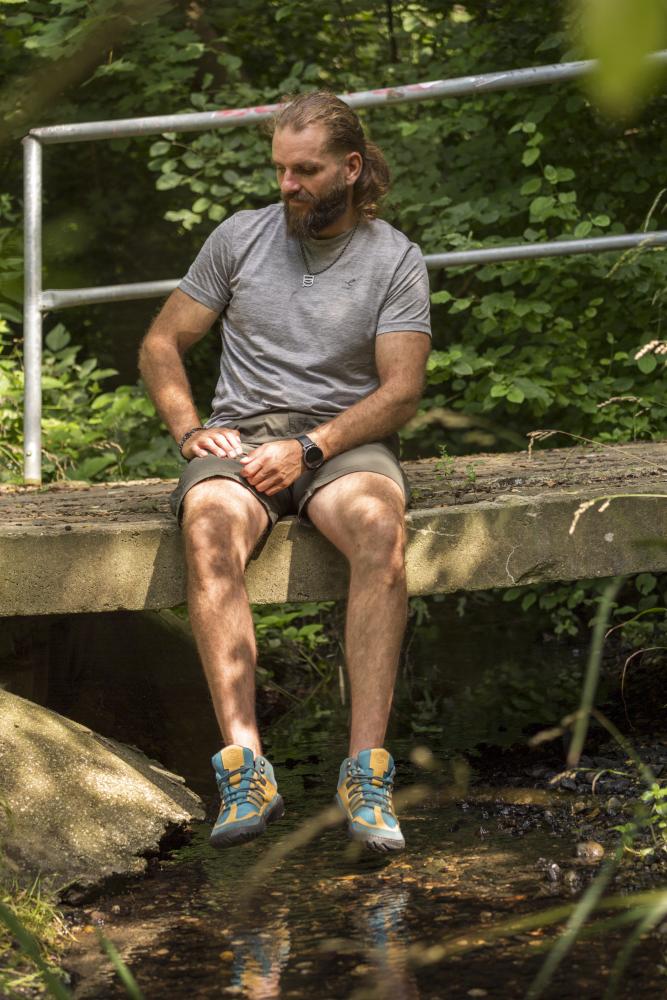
354	163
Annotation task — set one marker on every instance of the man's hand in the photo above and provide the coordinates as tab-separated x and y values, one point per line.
273	466
221	441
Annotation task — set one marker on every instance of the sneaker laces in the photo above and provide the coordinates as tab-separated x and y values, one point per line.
252	793
378	794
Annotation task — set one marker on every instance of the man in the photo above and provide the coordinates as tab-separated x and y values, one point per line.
325	336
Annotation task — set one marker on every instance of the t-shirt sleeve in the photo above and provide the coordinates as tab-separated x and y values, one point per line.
407	305
209	279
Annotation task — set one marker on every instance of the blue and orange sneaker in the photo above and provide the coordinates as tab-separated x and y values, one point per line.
364	794
249	794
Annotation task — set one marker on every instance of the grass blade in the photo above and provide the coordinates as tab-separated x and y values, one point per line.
580	914
653	917
592	672
124	974
30	947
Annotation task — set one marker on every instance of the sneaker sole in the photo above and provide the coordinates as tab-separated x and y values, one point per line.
373	841
230	838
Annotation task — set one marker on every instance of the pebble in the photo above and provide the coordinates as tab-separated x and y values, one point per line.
554	872
613	805
590	851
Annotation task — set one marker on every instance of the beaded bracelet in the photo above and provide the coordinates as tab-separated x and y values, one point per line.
188	434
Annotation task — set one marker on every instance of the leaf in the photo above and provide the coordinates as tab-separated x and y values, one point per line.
583	229
647	363
193	161
531	186
645	583
201	204
442	296
515	395
160	148
620	34
57	338
460	305
90	467
530	156
168	181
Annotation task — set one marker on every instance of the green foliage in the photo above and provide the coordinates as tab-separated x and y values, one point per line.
516	344
571	608
619	34
87	433
33	936
498	706
656	799
279	631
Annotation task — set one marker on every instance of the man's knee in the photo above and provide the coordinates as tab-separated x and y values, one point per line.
375	535
222	522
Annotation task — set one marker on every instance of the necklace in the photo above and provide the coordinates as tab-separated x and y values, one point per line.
309	276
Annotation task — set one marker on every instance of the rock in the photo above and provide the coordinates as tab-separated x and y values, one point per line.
572	880
590	851
613	805
553	872
80	808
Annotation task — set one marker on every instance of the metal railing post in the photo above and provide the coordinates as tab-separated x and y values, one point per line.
32	312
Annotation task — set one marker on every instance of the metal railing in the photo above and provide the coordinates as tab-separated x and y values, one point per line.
38	300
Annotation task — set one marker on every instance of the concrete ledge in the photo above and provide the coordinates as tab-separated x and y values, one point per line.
502	522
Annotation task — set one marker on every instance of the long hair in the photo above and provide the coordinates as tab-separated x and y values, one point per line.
345	135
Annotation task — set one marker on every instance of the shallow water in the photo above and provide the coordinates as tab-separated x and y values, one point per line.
331	921
326	920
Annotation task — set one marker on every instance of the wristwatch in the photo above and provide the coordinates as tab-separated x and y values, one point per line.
313	456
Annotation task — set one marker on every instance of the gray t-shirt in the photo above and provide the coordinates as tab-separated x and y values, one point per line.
290	346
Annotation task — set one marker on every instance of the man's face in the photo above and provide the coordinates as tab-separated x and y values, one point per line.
312	182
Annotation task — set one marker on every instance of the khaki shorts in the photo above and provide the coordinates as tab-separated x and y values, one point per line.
376	456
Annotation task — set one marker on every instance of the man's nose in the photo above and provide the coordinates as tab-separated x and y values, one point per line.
289	184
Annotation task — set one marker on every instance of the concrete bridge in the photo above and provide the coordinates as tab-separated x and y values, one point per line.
476	522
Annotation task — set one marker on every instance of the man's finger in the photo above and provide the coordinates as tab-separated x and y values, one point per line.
210	446
229	441
268	484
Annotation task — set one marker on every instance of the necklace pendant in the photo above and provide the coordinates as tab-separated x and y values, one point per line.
308	280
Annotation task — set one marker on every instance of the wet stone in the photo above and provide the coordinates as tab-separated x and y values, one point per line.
589	851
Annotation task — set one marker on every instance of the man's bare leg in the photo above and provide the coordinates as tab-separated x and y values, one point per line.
222	522
363	514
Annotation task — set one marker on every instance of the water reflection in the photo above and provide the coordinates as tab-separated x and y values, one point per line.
381	921
259	957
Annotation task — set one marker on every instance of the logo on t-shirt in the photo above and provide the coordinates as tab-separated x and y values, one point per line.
349	282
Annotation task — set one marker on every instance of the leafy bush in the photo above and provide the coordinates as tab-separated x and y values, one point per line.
87	433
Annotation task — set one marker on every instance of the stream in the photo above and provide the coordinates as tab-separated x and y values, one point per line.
492	837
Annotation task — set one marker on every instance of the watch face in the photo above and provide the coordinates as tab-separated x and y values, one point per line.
314	456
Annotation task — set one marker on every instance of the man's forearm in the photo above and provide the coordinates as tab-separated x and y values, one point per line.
375	417
166	380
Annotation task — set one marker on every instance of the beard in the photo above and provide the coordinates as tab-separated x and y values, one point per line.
321	212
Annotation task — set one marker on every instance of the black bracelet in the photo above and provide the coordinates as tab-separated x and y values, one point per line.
188	434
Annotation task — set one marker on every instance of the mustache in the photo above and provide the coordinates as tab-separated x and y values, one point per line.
308	200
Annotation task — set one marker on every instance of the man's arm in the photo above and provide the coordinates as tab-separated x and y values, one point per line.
181	323
401	360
